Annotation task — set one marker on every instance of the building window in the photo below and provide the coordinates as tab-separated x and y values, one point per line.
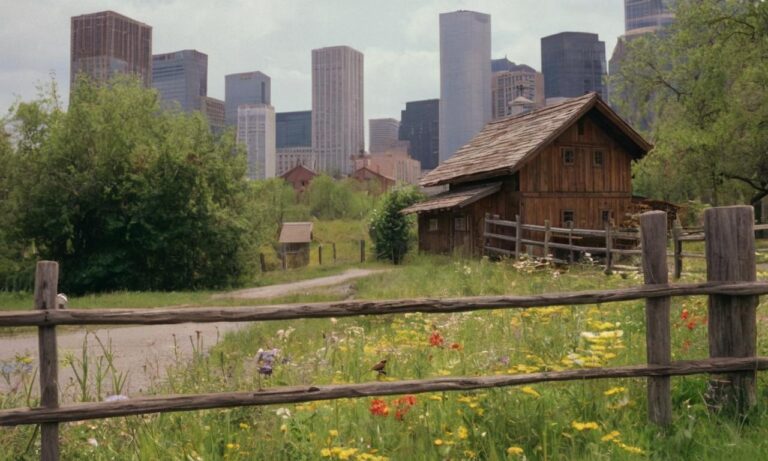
605	216
568	217
569	155
597	158
433	225
460	223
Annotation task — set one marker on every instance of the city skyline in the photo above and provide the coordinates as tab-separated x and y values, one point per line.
395	38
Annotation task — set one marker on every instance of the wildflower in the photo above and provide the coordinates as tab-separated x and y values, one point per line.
611	436
438	398
283	413
614	390
347	452
244	426
403	405
462	432
684	314
379	408
231	446
333	433
504	360
93	442
265	370
691	325
513	450
325	453
470	454
436	339
630	448
438	442
584	426
456	346
530	391
115	398
283	428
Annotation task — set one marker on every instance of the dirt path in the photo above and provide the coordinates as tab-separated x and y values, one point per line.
146	351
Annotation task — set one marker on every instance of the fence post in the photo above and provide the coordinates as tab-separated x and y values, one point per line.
730	249
547	236
518	236
362	251
608	247
334	252
653	235
570	240
485	232
320	255
677	248
46	288
263	262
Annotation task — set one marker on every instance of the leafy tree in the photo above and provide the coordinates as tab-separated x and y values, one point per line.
706	82
332	199
391	231
127	196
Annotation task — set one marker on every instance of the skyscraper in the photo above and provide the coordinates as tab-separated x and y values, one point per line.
382	134
337	108
573	63
256	130
510	82
182	77
214	111
420	126
465	78
245	88
642	16
107	43
294	129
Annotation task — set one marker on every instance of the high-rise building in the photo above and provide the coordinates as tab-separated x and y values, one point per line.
420	126
245	88
181	77
213	109
294	129
107	43
382	134
573	63
511	81
642	16
256	130
337	108
290	157
465	78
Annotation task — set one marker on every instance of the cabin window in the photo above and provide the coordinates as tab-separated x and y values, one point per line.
597	158
605	216
567	216
460	223
569	155
433	224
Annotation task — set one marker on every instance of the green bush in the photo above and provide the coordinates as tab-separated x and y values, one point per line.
391	231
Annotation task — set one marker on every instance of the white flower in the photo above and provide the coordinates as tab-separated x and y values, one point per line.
93	442
283	413
115	398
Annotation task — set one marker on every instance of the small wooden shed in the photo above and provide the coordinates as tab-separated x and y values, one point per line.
569	162
295	238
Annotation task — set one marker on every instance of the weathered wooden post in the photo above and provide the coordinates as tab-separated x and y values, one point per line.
677	248
653	235
334	252
362	251
570	241
547	236
730	249
46	289
518	236
608	248
320	255
262	262
486	230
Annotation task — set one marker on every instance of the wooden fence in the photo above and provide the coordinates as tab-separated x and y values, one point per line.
620	242
733	296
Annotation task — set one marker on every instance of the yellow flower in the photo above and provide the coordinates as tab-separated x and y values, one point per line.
231	446
325	453
333	433
283	428
470	454
614	390
584	426
515	451
346	453
439	442
438	398
611	436
530	391
631	449
462	432
244	426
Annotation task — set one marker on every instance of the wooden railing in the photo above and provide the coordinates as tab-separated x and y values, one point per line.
733	296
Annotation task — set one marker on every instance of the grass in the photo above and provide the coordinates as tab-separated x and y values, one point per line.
579	420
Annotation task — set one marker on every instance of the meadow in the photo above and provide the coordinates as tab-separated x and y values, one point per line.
587	420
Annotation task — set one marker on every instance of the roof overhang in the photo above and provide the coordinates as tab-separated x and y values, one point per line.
454	199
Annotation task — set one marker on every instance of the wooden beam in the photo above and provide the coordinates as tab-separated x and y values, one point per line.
46	289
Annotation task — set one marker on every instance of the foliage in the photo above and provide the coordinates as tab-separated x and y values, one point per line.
331	199
126	196
705	81
391	231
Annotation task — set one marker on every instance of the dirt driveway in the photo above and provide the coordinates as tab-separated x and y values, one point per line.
145	351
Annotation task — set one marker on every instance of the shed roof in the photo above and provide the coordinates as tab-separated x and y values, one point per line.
502	146
454	199
296	232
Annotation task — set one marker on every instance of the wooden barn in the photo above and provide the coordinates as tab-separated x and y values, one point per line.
566	162
299	177
295	239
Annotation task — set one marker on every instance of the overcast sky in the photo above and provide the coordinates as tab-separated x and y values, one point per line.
399	39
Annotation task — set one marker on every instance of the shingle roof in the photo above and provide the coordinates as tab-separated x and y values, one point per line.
296	232
455	198
502	145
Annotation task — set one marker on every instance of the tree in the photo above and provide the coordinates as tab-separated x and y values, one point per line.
391	231
705	80
127	196
332	199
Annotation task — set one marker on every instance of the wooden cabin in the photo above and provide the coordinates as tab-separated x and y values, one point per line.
566	162
375	181
295	239
299	177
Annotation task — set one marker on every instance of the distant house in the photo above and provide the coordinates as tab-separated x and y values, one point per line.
380	182
295	238
568	162
299	177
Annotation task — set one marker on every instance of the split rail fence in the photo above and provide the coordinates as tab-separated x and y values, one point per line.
733	297
621	242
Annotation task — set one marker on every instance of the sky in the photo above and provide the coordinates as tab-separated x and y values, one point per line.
399	39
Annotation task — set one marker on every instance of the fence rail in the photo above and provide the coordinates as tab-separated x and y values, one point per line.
732	289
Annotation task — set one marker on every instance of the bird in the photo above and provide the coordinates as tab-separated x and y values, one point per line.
379	368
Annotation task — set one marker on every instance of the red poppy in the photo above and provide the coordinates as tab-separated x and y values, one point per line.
456	346
379	407
403	405
684	314
436	339
691	325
